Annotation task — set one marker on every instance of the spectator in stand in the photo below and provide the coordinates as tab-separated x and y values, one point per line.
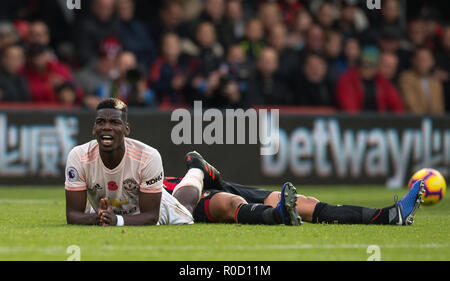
433	28
13	87
206	59
314	42
44	74
168	74
191	9
98	72
237	18
314	39
170	19
234	78
297	35
289	10
66	94
288	58
134	34
266	88
388	67
130	85
60	22
415	35
350	56
8	34
389	18
311	87
443	65
390	13
352	21
326	15
389	41
38	33
21	27
362	89
253	41
205	48
270	15
332	51
101	23
422	92
214	12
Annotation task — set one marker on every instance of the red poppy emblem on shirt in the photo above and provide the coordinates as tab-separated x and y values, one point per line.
112	185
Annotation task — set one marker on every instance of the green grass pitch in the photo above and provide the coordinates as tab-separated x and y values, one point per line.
33	227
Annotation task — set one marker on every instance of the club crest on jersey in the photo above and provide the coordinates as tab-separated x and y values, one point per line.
130	185
72	174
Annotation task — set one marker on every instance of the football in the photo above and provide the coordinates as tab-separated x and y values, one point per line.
435	185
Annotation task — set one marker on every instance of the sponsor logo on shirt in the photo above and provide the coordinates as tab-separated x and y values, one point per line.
155	180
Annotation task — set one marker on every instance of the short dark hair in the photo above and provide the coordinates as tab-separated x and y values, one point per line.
312	54
168	4
36	50
114	103
421	48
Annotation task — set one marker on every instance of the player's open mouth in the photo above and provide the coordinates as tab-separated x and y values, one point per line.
106	140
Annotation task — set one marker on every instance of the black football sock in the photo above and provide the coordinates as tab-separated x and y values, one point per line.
387	215
257	214
347	214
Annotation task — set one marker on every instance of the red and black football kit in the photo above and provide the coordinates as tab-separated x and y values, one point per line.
201	212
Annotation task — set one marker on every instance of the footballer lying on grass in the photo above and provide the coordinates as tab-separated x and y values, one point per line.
230	202
123	180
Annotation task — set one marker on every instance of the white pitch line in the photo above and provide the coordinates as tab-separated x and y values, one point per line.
273	247
45	249
61	249
26	201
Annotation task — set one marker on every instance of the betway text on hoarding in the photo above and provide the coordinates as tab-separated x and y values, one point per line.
331	149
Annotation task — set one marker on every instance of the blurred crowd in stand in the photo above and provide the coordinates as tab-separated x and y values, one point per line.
227	53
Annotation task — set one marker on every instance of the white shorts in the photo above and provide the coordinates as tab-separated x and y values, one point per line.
171	211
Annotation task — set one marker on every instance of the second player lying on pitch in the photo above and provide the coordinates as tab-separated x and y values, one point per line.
227	202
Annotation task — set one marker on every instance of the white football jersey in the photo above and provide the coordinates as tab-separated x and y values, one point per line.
141	169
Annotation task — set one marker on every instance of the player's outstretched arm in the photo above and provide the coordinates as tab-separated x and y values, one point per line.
75	206
149	204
